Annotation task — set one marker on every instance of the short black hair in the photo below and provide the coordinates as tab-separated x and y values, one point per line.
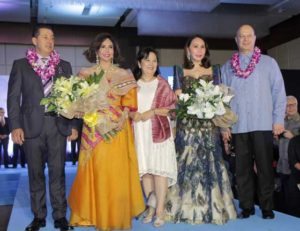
144	54
36	29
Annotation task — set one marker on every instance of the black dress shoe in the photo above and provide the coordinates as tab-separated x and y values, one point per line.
36	224
62	224
268	214
246	213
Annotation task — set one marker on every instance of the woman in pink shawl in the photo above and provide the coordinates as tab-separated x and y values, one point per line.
153	135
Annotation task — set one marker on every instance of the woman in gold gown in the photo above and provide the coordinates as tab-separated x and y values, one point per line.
106	192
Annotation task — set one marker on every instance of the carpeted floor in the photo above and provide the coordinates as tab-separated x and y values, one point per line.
15	181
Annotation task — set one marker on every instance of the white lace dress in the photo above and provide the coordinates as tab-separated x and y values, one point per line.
153	158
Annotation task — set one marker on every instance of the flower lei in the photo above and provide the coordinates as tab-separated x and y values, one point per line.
47	71
235	64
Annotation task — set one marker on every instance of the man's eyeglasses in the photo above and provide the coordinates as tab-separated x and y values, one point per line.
291	105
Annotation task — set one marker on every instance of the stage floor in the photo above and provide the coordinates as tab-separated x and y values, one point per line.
14	189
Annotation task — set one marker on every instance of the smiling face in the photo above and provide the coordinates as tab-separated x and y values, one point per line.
149	64
196	50
44	42
106	51
245	39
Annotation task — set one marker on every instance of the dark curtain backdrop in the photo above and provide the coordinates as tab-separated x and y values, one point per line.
292	83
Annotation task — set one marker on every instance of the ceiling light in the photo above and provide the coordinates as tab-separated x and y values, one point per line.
87	9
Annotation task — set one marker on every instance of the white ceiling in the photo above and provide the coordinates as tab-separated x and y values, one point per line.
211	18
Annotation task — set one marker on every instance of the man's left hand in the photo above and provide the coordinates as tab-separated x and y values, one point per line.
278	129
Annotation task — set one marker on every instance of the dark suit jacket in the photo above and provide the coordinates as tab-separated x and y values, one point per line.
294	156
25	91
4	129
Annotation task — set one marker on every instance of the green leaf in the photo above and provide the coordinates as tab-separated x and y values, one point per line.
95	78
44	101
51	107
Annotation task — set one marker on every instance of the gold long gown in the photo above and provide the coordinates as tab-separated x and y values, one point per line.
106	192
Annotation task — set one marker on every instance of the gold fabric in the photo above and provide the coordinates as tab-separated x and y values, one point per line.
106	192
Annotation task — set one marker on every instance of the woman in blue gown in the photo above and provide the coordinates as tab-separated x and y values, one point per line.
203	191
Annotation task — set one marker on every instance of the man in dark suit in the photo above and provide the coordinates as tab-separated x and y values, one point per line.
294	180
39	132
4	137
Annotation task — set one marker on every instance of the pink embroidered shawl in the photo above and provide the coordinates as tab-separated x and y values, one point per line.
164	98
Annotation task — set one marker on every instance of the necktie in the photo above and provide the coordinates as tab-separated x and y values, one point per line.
47	84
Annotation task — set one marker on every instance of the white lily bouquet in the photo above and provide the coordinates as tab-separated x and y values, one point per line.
203	100
86	95
66	91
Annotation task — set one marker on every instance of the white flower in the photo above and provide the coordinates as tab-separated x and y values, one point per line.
226	99
184	97
220	110
193	109
206	100
216	91
200	94
209	114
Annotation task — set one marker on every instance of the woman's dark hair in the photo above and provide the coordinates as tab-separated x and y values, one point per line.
144	54
37	27
188	64
90	53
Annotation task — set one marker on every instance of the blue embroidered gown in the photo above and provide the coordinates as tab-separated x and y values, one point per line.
203	191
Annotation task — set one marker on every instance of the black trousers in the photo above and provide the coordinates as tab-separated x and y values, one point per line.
75	147
18	150
50	146
293	202
4	150
254	147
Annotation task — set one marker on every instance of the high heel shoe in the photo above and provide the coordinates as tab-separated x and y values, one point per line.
159	221
150	213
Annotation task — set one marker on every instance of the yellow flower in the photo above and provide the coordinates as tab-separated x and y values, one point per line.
91	119
86	90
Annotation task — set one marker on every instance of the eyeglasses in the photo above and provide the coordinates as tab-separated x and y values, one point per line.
245	36
291	105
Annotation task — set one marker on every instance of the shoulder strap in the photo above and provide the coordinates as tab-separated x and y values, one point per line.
178	73
217	79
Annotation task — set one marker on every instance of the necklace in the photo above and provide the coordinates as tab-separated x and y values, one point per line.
235	64
100	68
106	71
47	71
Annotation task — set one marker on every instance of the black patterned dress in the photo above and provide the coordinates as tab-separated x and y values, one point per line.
203	191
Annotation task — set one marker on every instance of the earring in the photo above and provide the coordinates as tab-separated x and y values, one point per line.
188	56
97	59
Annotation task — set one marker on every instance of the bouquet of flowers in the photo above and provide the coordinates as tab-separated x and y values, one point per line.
203	100
88	96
